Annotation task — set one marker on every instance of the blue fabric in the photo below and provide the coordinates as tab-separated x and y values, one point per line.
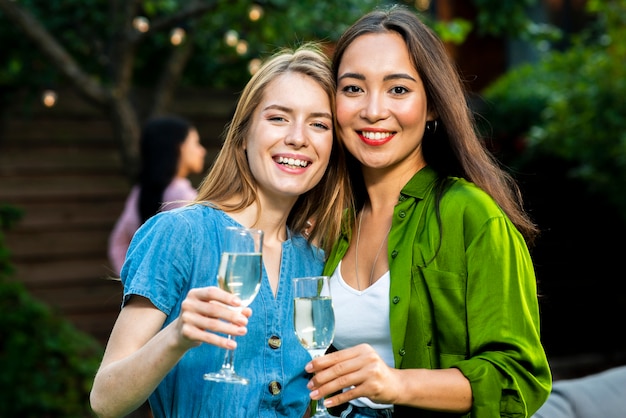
177	250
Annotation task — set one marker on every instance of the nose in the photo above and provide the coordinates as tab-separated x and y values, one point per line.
374	108
296	135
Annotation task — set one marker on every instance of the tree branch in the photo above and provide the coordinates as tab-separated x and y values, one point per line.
172	73
49	46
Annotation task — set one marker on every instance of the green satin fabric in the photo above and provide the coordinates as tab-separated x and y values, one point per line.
463	294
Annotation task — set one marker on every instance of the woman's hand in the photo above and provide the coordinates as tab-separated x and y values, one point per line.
362	370
359	368
209	310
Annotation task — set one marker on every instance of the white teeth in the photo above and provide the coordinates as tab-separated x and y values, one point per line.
292	161
376	136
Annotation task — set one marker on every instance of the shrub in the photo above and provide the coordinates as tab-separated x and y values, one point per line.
571	106
47	365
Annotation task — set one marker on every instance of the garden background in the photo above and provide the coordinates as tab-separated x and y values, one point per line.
77	78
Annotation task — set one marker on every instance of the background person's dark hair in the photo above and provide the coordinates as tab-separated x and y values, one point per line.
161	139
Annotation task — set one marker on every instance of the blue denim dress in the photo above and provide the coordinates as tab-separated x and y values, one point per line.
178	250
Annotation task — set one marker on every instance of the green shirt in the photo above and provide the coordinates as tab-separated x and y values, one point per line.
463	295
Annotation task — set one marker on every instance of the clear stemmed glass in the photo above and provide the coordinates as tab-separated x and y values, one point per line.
314	320
239	273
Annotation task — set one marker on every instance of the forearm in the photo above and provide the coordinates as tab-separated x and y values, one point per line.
446	390
123	385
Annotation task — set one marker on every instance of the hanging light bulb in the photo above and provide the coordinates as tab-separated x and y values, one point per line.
177	36
422	4
242	47
255	12
254	65
49	98
141	23
231	37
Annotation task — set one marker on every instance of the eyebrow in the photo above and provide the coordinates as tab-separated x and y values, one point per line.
386	78
290	110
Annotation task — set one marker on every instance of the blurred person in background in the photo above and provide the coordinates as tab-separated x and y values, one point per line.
170	153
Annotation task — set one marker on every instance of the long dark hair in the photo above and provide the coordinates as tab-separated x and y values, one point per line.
160	141
453	149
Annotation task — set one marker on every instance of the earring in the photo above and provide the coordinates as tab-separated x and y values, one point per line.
431	126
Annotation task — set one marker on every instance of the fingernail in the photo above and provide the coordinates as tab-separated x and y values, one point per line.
314	394
308	367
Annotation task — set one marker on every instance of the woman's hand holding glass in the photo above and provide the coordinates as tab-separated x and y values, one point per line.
207	313
360	368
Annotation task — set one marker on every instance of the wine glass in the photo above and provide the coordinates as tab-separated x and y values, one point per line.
239	273
314	320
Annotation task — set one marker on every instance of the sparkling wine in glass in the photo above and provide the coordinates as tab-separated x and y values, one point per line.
314	320
239	273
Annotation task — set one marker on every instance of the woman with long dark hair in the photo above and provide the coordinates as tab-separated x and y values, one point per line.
170	152
433	286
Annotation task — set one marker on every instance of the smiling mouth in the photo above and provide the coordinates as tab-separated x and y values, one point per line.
376	136
292	162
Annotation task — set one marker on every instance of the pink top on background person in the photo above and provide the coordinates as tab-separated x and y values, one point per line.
177	194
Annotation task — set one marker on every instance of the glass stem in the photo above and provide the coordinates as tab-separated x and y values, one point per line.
229	360
320	408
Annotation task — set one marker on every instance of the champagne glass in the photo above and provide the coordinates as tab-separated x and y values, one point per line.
314	320
239	273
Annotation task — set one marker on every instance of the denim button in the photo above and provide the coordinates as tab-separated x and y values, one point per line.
402	352
274	342
396	299
394	254
402	214
274	387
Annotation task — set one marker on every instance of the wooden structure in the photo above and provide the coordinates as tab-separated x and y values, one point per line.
61	165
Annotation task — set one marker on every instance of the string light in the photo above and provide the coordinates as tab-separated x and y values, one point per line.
255	12
242	47
231	38
177	36
141	23
422	4
254	65
49	98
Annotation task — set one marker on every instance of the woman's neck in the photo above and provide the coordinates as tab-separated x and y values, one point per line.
271	220
383	185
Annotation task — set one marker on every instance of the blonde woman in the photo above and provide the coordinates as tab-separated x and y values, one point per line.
279	167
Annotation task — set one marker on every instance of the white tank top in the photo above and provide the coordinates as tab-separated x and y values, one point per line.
362	317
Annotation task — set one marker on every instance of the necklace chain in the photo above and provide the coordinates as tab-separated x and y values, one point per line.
356	255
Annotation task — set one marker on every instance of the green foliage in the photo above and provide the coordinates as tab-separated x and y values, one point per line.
47	365
509	18
499	17
571	105
8	217
454	31
88	29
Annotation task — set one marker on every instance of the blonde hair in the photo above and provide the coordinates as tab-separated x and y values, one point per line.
230	175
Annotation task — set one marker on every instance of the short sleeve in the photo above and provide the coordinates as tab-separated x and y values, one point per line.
159	260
